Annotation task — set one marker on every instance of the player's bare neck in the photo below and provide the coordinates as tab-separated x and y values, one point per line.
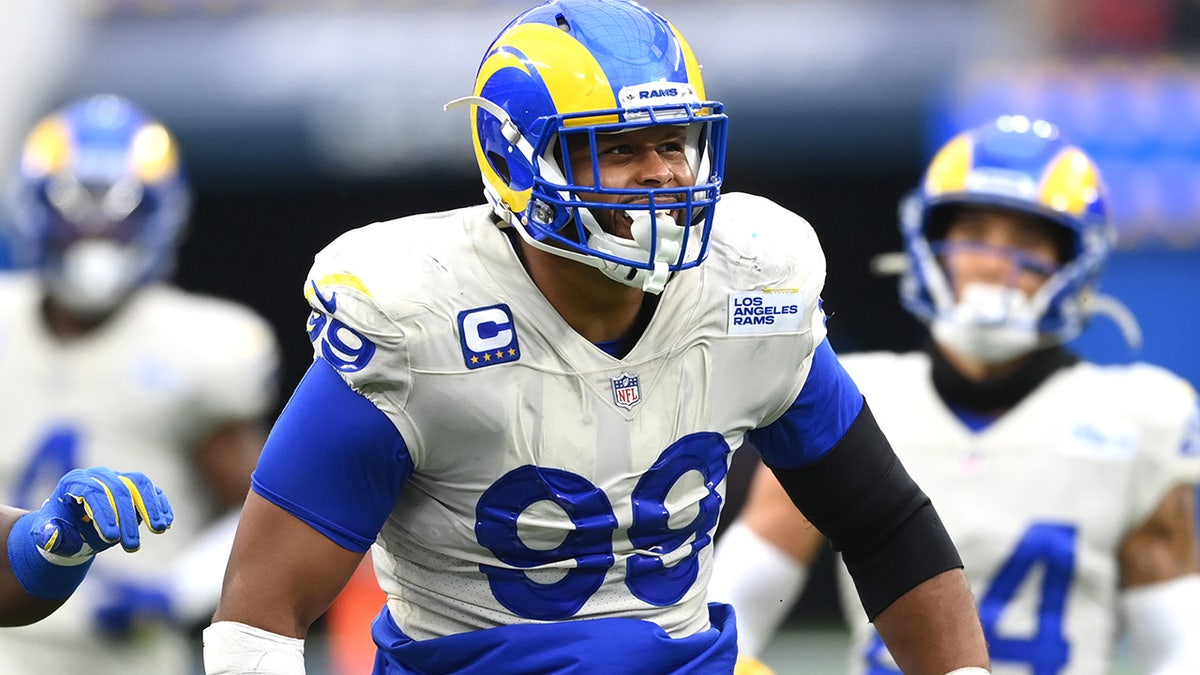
595	306
67	325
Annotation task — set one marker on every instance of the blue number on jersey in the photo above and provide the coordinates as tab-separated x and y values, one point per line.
649	578
1050	545
342	346
590	542
55	455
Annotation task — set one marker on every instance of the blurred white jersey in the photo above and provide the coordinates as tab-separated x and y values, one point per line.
602	499
1039	501
137	394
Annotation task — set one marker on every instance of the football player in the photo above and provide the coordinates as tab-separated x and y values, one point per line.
1068	486
48	551
529	406
106	363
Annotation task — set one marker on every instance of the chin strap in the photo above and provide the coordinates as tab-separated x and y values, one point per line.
652	281
1114	309
989	323
94	277
644	229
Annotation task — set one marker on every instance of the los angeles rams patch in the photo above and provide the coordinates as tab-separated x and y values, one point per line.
765	312
488	336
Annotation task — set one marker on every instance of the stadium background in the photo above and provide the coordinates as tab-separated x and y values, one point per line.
300	119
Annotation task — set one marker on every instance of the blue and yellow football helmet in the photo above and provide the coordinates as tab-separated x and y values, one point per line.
588	67
101	202
1022	164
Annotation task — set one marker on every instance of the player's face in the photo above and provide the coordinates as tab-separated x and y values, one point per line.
649	157
999	247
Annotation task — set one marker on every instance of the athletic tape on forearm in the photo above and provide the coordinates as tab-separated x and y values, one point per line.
1164	625
232	648
759	580
36	569
971	670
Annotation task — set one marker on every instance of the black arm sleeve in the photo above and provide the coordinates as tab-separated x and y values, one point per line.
861	498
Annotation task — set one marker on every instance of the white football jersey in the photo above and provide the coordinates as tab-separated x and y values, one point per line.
137	394
1039	501
545	469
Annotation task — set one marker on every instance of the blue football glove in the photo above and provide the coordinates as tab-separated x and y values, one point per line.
95	509
127	604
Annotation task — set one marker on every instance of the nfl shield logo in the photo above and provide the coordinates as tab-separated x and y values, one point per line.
626	392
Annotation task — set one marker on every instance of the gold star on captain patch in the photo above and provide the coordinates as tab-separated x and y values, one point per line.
487	357
474	359
499	355
512	352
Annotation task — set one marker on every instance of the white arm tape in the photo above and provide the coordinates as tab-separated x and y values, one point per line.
970	670
232	648
759	580
1164	625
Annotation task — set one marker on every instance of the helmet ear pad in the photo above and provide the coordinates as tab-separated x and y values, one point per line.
511	167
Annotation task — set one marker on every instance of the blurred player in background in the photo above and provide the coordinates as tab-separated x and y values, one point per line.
47	552
104	362
529	406
1066	485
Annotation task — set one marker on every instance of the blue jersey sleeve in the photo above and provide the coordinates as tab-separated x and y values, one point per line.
333	460
827	405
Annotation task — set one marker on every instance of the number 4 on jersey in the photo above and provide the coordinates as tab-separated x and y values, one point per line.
1050	547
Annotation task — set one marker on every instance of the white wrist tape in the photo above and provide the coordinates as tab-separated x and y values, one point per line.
970	670
759	580
232	648
1164	625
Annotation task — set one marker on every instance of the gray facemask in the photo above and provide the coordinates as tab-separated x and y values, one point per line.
990	323
94	277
